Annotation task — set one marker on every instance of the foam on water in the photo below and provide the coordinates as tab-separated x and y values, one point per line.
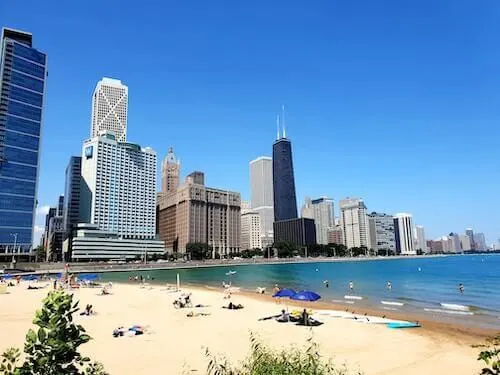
453	312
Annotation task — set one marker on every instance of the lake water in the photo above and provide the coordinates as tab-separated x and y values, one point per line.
425	285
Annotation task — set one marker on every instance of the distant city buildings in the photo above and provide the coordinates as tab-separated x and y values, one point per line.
199	214
354	223
480	242
298	231
109	108
261	191
71	210
403	231
23	72
250	230
170	172
335	235
465	242
470	233
420	241
382	237
321	211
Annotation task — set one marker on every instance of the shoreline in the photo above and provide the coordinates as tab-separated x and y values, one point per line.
193	264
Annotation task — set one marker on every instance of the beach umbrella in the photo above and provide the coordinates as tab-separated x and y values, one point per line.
305	295
30	277
7	276
88	276
284	293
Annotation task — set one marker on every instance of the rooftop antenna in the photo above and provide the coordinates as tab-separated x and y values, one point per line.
278	126
283	118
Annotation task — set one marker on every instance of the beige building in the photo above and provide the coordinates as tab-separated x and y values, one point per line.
196	213
170	171
250	231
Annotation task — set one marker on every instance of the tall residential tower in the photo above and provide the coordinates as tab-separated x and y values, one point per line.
23	71
170	171
261	192
285	200
109	108
354	223
403	230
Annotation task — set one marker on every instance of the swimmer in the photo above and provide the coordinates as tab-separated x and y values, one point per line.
326	283
461	288
351	286
389	285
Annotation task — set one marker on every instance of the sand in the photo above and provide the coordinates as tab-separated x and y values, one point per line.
175	343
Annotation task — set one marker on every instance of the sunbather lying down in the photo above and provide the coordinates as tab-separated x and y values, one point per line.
131	331
88	310
233	306
192	314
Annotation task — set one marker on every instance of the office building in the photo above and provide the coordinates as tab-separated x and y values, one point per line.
109	108
354	223
469	232
170	172
196	177
89	243
52	213
324	218
245	207
307	210
456	245
71	211
261	192
335	235
197	213
480	242
420	242
118	191
435	246
382	237
465	242
250	231
300	231
23	71
403	231
285	201
54	249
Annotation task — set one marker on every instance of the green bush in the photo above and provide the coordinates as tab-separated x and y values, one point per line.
266	361
53	348
491	356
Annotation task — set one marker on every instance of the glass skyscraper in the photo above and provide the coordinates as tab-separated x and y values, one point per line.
285	201
23	71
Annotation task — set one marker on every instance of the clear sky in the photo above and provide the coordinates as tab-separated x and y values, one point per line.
396	102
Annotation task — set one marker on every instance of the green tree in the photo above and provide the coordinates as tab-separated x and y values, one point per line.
265	361
286	249
41	254
490	355
53	348
198	250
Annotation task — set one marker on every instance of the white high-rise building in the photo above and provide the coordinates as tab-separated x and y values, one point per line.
109	108
465	242
354	222
118	191
250	231
245	207
382	232
321	211
403	230
420	242
261	195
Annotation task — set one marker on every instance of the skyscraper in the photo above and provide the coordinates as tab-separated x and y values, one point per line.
480	242
261	195
465	242
469	232
403	230
23	71
109	108
321	211
71	211
420	242
250	231
170	171
285	201
354	223
382	236
119	187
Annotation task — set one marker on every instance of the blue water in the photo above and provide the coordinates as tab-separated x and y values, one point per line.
419	283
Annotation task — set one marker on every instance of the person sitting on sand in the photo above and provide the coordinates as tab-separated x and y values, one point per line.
88	310
233	306
284	317
104	291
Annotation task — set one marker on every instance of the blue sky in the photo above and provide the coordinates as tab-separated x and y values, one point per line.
397	102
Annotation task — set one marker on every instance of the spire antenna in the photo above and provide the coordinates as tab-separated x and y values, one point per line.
278	126
283	119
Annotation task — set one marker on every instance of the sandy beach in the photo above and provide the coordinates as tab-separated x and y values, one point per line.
175	343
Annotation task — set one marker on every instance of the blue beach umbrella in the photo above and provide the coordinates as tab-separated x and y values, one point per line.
284	293
305	295
30	277
7	276
88	276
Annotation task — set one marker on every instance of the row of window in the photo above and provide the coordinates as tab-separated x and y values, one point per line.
20	156
16	219
9	186
23	125
7	237
25	96
23	110
29	53
23	80
28	67
21	140
9	202
17	171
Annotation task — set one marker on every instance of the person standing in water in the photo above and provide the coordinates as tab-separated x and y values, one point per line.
461	288
351	286
327	284
389	286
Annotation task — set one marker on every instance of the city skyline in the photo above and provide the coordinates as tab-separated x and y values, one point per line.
207	110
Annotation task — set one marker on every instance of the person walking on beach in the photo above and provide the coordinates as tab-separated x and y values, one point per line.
461	288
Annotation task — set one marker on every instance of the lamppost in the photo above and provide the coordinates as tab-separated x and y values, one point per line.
15	245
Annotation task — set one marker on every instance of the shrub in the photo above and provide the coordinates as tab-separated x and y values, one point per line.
266	361
53	348
491	356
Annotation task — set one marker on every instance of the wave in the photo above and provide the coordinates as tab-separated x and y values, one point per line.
453	312
392	303
455	307
342	301
353	297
